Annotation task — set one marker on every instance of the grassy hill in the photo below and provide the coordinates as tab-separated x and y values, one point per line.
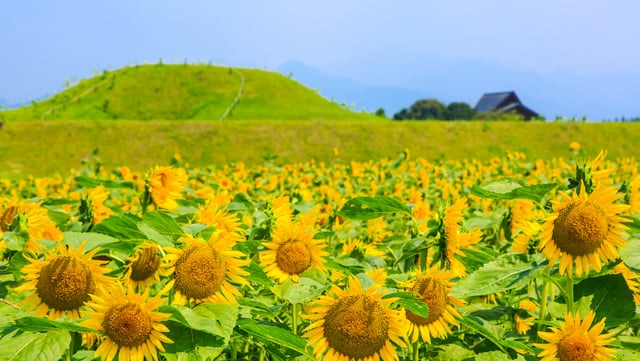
181	92
49	147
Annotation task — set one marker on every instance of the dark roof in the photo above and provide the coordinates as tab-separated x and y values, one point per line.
503	102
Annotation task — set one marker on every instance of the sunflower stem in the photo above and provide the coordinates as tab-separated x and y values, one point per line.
423	260
416	351
294	318
569	286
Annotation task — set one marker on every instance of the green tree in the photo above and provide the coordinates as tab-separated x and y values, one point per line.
427	109
380	112
459	111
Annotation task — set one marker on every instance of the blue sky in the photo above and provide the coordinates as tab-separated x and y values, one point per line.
45	43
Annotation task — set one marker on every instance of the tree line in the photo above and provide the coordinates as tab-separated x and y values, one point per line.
433	109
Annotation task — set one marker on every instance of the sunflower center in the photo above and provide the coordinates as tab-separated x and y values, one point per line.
293	257
580	228
127	325
434	293
576	347
356	326
7	218
199	272
146	264
65	283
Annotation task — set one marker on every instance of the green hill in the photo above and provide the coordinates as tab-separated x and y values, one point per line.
184	92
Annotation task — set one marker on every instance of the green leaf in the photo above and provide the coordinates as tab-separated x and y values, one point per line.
410	301
509	188
365	208
214	319
634	225
479	328
34	346
88	182
497	356
121	227
163	223
305	290
630	254
257	275
91	240
610	298
497	276
276	335
37	324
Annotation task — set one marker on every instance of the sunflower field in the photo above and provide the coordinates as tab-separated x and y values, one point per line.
391	259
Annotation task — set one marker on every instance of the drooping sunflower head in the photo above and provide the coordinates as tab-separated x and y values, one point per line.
355	325
131	324
292	251
202	270
63	281
452	240
433	288
164	185
145	266
217	215
584	231
576	340
92	203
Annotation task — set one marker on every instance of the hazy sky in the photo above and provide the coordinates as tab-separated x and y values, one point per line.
45	42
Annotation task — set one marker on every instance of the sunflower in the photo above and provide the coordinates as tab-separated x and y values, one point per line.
63	282
433	288
201	269
292	251
584	230
355	325
523	324
133	329
576	340
453	240
215	214
94	199
145	266
165	186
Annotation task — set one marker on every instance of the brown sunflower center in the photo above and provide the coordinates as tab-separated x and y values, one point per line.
7	217
293	257
434	293
576	347
127	325
146	264
65	283
199	272
356	326
580	228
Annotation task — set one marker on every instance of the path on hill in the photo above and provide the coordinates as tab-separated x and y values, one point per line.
237	98
76	98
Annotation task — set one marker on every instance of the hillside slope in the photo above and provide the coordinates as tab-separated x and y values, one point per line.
184	92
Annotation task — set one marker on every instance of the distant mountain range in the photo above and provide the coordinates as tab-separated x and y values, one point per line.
559	93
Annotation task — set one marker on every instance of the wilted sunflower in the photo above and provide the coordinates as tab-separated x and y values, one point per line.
145	266
63	282
452	242
433	288
584	230
355	325
292	251
165	186
575	341
133	329
202	269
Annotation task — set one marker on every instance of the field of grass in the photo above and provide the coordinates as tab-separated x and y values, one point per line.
179	92
44	148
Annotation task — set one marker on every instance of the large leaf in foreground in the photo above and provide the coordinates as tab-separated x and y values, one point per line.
365	208
508	188
31	346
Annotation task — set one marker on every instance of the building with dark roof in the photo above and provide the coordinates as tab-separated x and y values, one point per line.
503	102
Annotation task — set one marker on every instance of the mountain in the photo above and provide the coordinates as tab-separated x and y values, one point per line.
557	93
359	95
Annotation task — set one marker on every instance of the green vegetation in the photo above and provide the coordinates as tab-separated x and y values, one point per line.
433	109
49	147
181	92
